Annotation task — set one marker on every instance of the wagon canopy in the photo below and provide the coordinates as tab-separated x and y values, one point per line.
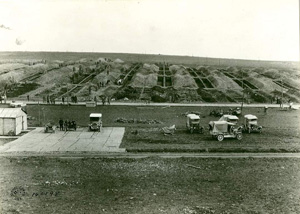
226	117
250	117
220	126
193	116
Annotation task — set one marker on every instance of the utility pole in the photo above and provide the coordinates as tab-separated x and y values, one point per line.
39	113
243	92
281	94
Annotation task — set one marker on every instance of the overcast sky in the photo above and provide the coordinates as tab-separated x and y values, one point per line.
246	29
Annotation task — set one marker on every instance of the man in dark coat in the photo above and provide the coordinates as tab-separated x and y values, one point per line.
61	124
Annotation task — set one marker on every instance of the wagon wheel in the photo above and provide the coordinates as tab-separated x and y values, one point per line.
220	137
239	136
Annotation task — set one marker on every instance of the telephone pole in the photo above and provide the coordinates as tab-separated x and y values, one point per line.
243	92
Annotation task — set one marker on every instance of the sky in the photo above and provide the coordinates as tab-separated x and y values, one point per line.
242	29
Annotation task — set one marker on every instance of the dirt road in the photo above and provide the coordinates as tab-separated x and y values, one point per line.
77	155
129	103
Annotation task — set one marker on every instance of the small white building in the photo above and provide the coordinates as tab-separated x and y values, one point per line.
12	121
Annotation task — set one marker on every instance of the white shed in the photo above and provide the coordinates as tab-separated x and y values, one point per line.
12	121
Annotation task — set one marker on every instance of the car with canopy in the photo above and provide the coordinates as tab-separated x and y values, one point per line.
224	129
193	123
250	124
95	122
229	118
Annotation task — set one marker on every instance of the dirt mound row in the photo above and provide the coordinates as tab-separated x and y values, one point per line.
184	80
144	80
58	76
152	67
104	77
221	81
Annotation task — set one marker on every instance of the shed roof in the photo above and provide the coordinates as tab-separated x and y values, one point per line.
250	117
193	116
11	112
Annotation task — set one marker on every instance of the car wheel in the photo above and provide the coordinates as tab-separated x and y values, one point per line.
220	137
239	136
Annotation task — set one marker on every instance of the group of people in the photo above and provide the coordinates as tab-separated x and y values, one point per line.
3	98
67	125
74	99
104	99
281	101
49	99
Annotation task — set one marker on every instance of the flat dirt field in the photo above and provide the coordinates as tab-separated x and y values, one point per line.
280	128
81	140
152	185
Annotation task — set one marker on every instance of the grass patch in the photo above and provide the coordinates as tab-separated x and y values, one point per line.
151	185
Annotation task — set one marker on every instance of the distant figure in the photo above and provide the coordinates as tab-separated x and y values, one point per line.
44	99
290	104
266	109
66	125
63	100
27	97
61	125
108	100
280	102
48	99
103	100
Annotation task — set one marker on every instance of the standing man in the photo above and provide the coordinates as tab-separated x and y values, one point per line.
66	125
108	100
103	98
61	124
63	100
28	97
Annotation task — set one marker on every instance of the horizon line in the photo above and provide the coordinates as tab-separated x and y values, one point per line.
265	60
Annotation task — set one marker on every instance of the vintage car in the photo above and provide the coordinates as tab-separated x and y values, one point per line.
250	124
95	122
236	111
193	123
71	125
224	129
229	118
216	113
49	128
